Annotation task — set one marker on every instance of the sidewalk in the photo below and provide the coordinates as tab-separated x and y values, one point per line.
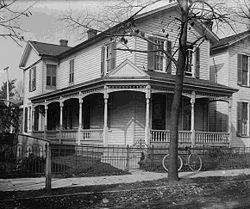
136	176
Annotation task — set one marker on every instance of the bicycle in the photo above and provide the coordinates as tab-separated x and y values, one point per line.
193	161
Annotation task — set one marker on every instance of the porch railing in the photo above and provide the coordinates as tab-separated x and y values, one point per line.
92	134
201	137
164	136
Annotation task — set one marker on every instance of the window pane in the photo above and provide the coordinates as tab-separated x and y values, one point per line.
54	81
48	82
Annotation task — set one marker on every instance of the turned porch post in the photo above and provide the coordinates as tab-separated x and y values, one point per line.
61	120
32	118
80	119
105	125
192	101
45	120
147	129
230	120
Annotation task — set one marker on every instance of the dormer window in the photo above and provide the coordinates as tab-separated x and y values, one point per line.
108	57
71	71
157	60
51	76
192	68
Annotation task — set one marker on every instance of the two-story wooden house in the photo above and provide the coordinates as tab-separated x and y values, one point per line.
230	65
95	93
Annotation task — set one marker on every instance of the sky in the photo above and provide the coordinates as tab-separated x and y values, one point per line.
44	25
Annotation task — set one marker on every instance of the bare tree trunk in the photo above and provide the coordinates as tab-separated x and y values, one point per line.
176	103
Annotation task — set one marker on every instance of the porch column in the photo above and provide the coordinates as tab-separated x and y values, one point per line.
192	101
61	120
32	118
80	119
230	120
45	120
105	125
147	129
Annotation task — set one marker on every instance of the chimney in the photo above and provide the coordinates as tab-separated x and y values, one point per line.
63	42
91	33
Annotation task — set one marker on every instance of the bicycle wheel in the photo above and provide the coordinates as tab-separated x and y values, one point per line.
194	162
165	162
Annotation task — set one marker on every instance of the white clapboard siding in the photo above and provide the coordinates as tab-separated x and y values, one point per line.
140	113
127	117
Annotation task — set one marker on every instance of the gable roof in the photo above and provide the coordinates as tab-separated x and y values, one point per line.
228	41
48	49
42	49
199	26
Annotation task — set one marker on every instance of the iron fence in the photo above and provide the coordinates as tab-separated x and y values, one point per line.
72	160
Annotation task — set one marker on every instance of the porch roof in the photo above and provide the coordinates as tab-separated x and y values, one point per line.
154	78
193	84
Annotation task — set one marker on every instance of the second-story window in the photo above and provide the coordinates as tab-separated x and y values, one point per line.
71	71
193	62
51	76
243	69
32	79
108	57
157	60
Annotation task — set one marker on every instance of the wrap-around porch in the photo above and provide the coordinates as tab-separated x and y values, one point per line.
124	114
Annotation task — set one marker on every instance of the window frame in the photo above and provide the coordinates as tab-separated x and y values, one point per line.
243	122
166	66
241	69
191	62
71	71
51	75
32	79
108	57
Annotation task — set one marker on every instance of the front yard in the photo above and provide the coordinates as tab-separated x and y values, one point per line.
209	192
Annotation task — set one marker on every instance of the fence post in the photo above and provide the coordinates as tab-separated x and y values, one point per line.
48	167
127	159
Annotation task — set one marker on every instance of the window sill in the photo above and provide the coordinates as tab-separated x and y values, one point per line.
51	87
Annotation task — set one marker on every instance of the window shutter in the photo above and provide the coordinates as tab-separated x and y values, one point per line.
168	60
239	66
102	60
151	55
239	118
34	79
113	55
197	62
30	79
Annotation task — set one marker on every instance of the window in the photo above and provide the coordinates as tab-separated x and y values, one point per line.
32	79
71	71
157	60
242	119
51	76
193	62
243	71
108	57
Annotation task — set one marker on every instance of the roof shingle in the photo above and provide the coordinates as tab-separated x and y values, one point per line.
48	49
